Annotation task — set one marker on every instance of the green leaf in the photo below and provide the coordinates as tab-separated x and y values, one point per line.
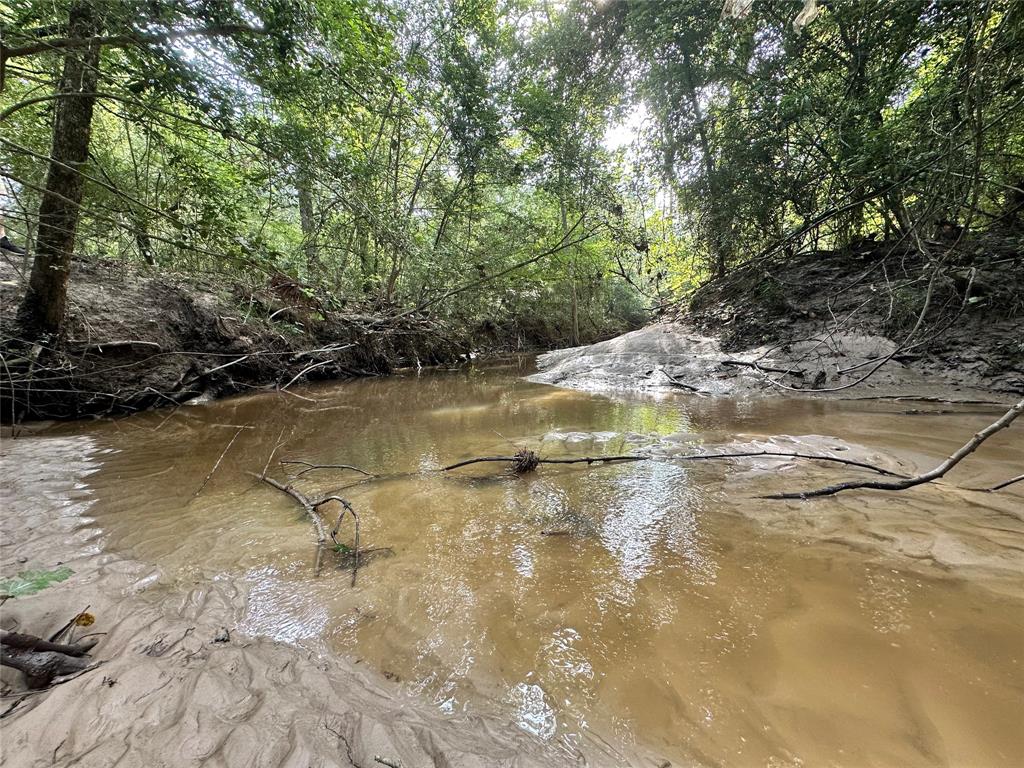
30	582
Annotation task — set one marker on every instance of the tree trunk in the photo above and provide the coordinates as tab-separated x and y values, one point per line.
307	219
717	235
42	310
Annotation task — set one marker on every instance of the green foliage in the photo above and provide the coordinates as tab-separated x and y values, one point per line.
389	153
32	581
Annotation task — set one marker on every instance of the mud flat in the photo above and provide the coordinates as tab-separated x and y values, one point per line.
168	690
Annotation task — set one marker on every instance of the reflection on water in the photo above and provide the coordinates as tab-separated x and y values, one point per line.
653	604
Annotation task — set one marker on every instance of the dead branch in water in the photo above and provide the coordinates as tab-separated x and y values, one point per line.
307	505
899	485
345	507
311	507
786	454
310	467
527	461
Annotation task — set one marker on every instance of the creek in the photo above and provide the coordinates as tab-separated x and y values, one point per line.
656	606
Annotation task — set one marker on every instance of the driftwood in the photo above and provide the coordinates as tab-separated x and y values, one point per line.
311	507
40	660
527	461
955	458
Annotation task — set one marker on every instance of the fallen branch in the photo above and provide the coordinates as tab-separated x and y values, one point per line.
1000	486
523	460
520	465
345	507
306	370
219	460
308	505
311	507
959	455
676	383
757	366
787	454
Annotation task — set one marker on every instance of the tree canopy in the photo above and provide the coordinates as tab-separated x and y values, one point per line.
456	157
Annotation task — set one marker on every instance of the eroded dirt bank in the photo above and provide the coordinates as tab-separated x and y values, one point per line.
136	340
828	324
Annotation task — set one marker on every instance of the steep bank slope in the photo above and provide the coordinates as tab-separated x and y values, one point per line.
838	325
136	340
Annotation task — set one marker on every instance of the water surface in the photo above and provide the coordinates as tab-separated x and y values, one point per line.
654	606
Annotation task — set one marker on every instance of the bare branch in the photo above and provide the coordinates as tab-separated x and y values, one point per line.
959	455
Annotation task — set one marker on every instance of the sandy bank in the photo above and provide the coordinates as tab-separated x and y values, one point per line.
675	356
168	694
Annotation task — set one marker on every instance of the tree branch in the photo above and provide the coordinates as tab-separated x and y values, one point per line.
959	455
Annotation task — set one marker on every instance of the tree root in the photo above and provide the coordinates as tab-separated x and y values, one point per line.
40	660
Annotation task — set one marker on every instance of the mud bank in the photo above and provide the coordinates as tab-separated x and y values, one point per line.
675	356
136	340
829	325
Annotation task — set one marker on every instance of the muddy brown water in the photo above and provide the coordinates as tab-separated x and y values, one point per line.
655	606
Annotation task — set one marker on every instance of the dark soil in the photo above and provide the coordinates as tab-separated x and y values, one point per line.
974	322
136	340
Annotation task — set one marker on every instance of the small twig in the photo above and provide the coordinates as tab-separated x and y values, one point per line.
1000	486
100	345
219	460
60	632
270	458
304	371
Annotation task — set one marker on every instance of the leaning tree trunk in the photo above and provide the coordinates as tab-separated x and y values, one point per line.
42	310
